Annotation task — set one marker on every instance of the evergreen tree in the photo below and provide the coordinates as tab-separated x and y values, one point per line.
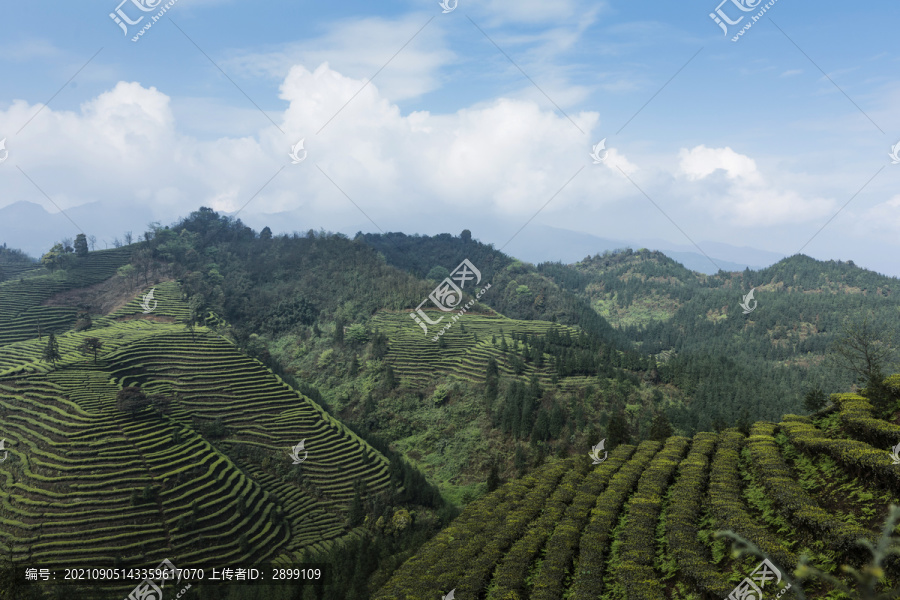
51	351
491	382
81	245
339	331
357	511
618	430
814	399
866	353
520	461
493	479
390	381
661	428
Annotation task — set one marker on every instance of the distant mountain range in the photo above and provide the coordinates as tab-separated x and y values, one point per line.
33	229
541	243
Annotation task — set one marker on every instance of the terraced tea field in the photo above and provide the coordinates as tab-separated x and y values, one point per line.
22	316
639	525
414	356
88	484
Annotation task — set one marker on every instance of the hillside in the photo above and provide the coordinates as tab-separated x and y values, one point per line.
724	360
332	316
202	472
640	525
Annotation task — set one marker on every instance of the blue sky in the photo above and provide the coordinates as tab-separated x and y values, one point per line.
745	143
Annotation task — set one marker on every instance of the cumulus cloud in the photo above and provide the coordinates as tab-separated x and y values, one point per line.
508	156
734	189
701	161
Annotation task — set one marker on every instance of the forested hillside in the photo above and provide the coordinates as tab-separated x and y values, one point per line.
725	361
330	316
644	523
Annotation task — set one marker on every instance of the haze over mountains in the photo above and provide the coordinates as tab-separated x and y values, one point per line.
30	227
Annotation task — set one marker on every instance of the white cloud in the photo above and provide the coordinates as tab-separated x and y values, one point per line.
743	196
360	48
507	157
701	161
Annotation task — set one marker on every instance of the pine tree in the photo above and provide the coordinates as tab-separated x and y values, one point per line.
390	381
493	479
661	428
814	399
491	382
357	511
339	331
618	430
51	351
